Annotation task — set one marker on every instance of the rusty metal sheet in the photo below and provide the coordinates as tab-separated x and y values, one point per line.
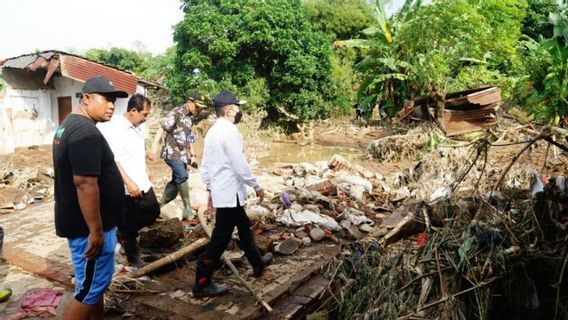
51	68
40	62
460	122
485	97
81	70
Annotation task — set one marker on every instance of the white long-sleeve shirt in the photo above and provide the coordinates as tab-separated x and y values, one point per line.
224	168
127	143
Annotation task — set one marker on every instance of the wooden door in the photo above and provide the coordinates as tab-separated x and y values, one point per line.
63	107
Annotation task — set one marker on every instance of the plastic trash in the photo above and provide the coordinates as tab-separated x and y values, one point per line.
285	199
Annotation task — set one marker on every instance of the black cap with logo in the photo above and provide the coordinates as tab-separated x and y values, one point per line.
226	98
102	86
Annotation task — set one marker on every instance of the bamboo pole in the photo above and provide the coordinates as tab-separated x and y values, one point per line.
193	247
228	262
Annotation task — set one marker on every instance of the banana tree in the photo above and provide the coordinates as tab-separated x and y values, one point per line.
383	75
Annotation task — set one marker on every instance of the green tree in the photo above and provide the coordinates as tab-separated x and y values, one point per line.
265	47
535	24
121	58
544	91
344	19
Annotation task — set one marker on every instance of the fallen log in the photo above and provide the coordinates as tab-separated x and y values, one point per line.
193	247
228	262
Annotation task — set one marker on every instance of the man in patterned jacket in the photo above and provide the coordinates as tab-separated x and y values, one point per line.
177	151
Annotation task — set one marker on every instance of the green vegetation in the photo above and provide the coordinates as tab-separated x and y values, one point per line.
544	90
319	58
143	64
267	51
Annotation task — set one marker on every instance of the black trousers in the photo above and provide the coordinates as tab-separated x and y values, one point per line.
137	214
226	221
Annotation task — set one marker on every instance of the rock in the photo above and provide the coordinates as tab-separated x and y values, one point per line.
307	196
257	212
380	216
345	223
20	206
354	180
317	234
365	227
264	243
306	241
313	180
325	202
312	207
301	234
399	194
289	182
354	216
364	172
324	187
299	171
354	191
354	232
309	168
162	234
288	246
296	207
298	182
321	166
378	232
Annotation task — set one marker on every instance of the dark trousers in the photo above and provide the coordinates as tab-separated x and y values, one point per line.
138	213
226	221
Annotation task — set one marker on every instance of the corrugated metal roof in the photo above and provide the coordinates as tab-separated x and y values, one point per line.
81	70
78	68
20	62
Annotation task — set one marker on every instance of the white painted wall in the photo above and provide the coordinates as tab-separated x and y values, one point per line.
65	87
29	115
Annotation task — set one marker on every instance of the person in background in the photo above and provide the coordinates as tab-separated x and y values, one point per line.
225	171
89	197
126	140
177	151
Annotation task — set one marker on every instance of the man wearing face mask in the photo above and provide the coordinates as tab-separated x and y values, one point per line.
226	173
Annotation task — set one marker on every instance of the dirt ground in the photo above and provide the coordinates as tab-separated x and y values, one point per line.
267	153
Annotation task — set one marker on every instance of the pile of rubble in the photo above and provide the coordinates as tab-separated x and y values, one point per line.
21	187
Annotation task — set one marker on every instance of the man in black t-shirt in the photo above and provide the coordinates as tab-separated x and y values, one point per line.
89	195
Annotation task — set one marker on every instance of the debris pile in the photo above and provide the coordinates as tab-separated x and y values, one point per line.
24	183
475	240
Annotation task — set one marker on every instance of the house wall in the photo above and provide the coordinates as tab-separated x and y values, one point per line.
27	118
30	117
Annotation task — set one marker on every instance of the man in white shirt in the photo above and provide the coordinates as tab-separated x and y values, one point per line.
126	141
226	173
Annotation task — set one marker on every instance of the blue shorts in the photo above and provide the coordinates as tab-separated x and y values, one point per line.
92	277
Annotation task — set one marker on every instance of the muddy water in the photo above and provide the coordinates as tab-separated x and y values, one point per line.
283	152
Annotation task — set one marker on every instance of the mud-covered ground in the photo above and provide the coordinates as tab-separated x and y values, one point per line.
169	295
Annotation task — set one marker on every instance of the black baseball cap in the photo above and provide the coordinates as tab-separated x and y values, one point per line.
225	98
103	86
198	99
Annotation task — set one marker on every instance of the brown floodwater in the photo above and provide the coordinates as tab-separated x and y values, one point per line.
283	152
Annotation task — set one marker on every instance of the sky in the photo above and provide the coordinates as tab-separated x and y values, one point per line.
78	25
